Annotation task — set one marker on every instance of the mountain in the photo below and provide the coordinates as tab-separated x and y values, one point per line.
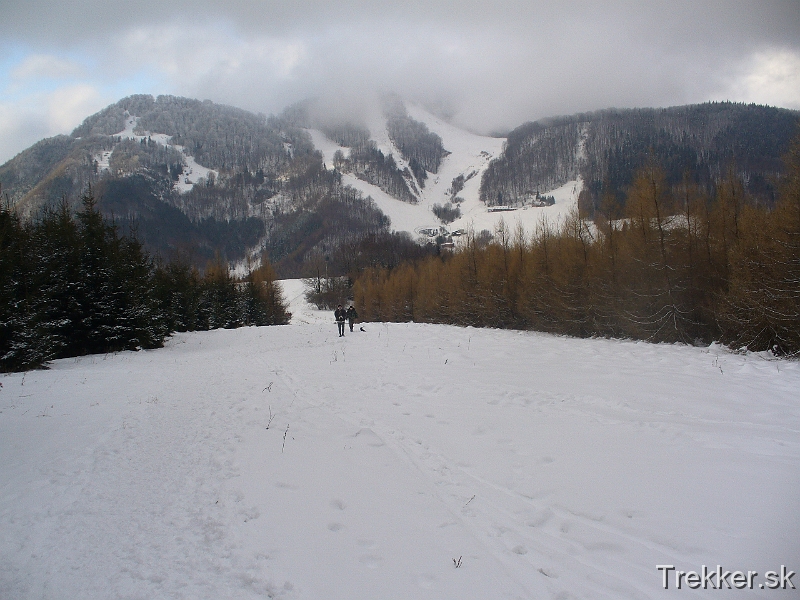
195	178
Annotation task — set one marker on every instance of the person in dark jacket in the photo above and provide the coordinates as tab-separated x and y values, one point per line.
339	314
352	315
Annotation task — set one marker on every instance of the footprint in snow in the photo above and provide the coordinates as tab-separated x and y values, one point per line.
369	437
540	518
286	486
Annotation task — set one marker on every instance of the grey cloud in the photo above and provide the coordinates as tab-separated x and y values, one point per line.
490	64
744	20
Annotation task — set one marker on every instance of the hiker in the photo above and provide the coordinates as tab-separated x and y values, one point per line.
352	315
340	314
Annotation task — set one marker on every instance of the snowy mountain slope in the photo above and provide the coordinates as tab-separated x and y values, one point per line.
193	172
326	146
469	155
254	157
404	216
288	463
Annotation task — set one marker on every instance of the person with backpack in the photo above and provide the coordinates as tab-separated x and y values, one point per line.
339	314
352	315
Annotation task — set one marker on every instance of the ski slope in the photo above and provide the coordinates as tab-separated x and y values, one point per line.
469	155
285	462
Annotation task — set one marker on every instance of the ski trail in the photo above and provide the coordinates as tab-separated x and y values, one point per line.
365	427
504	539
500	532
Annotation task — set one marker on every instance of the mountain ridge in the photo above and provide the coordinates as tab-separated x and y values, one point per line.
201	178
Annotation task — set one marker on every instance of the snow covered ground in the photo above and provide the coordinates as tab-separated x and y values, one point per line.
286	462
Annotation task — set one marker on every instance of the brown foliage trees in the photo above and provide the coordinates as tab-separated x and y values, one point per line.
677	266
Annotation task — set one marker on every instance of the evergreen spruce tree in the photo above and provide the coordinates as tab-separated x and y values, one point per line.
57	264
10	259
20	344
263	298
177	288
143	322
219	298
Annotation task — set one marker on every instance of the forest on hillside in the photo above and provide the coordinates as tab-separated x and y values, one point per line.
369	163
702	143
269	189
421	147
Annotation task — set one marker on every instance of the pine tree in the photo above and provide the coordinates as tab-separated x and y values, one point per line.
21	344
177	289
219	298
263	297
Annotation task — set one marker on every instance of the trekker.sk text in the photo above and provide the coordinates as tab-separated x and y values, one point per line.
719	579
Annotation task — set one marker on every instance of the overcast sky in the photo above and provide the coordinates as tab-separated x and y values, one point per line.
490	65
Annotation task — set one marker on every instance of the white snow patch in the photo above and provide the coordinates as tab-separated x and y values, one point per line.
404	215
477	216
103	160
327	146
193	172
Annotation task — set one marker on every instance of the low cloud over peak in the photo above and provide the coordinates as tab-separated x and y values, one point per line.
493	65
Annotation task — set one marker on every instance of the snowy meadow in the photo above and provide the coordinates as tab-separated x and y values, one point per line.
401	461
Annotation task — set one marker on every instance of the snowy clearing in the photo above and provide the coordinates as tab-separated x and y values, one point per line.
287	462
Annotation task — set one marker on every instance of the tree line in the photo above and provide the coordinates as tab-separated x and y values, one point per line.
368	163
71	284
535	158
669	264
